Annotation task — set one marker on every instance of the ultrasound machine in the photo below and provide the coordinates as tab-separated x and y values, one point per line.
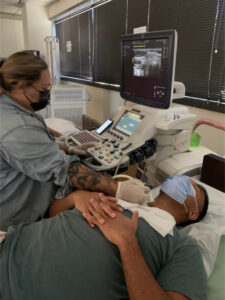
148	124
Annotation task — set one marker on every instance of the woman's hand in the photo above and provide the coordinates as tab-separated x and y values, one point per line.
95	207
81	149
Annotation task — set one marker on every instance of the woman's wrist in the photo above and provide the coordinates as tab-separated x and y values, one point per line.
64	148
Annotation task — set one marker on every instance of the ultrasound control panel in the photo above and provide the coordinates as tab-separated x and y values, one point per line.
109	153
131	127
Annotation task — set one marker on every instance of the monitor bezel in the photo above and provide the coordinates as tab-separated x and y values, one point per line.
172	37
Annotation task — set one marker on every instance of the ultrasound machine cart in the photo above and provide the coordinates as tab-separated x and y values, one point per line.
148	124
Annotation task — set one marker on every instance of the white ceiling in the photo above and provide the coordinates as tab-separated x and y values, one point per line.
14	6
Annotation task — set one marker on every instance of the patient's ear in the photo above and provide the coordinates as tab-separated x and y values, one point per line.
193	215
192	208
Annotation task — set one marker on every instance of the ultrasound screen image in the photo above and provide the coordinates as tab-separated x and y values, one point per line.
147	62
145	68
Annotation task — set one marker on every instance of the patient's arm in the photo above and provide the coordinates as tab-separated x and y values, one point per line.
94	206
85	178
141	284
60	205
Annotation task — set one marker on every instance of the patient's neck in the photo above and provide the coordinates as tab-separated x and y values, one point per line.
168	204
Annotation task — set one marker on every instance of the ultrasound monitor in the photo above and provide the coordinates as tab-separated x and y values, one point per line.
147	67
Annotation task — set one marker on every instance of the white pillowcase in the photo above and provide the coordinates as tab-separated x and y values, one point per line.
208	231
63	126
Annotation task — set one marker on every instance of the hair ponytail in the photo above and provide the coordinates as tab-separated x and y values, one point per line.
20	66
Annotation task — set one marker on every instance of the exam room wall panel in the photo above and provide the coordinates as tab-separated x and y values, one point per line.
11	35
36	26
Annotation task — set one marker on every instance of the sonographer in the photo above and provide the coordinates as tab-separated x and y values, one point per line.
33	170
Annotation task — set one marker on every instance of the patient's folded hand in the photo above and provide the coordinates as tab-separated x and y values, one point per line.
95	206
121	230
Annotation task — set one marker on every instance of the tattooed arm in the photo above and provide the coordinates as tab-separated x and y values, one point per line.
85	178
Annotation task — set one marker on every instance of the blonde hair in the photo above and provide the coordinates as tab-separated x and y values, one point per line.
20	66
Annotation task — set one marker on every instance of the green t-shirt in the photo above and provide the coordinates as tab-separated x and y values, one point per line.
63	258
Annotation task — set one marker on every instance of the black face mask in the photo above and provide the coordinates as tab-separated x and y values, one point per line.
44	97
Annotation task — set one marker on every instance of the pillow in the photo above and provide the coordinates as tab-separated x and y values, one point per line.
208	231
65	127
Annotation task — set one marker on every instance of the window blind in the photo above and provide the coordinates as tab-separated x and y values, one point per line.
200	54
75	42
95	36
109	25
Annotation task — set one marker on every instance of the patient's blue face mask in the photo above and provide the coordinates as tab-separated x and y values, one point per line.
179	187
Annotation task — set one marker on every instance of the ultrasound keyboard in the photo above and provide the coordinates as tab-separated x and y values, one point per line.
84	137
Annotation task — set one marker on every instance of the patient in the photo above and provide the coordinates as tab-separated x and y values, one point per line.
64	258
186	202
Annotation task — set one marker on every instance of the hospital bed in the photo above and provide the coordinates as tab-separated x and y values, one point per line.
216	282
210	232
213	173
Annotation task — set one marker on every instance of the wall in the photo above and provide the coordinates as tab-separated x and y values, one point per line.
37	26
61	6
11	35
24	32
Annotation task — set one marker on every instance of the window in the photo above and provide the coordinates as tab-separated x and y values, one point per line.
75	45
200	54
90	43
109	25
